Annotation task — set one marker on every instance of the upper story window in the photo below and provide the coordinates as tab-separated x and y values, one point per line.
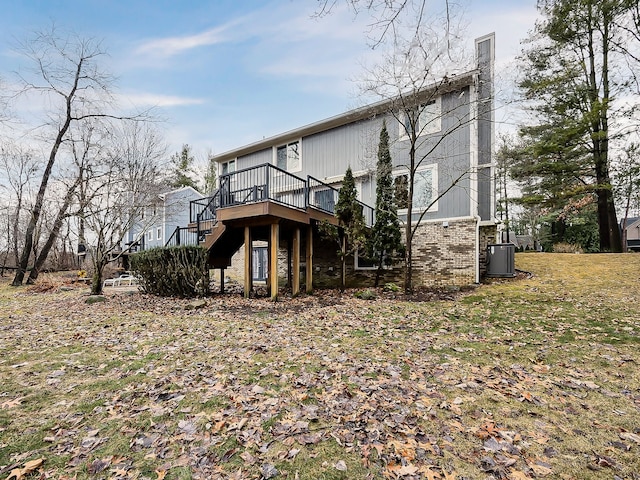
288	157
425	189
427	118
228	167
159	233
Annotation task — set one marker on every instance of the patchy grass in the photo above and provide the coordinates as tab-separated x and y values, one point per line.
528	378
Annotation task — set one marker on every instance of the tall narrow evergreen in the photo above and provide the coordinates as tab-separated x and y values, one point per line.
350	219
385	244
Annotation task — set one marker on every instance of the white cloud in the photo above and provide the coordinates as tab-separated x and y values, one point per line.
170	46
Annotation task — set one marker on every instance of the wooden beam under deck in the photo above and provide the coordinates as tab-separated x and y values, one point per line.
295	281
248	260
309	272
262	209
273	260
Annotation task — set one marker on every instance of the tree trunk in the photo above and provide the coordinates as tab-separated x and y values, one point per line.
53	235
98	270
408	274
607	219
343	266
379	270
37	207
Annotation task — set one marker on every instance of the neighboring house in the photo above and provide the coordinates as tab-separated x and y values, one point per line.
522	242
631	234
158	222
297	168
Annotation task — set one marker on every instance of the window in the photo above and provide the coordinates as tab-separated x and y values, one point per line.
228	167
159	233
288	157
364	263
144	210
149	235
155	210
425	184
260	263
427	119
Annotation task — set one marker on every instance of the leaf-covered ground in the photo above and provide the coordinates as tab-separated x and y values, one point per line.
529	378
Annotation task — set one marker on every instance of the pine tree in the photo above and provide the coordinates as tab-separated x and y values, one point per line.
211	176
572	75
386	243
350	220
182	171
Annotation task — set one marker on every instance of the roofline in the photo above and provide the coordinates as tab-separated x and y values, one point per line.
186	187
444	85
632	223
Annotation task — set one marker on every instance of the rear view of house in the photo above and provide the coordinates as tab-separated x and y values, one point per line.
303	168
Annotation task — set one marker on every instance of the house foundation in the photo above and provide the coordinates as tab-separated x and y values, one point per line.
448	255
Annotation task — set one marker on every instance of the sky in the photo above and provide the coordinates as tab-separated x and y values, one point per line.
225	73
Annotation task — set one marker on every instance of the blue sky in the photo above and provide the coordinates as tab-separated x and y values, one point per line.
224	73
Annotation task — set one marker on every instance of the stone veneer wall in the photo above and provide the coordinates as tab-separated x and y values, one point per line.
442	256
445	255
488	236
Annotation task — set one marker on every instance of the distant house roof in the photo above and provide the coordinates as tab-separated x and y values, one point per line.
178	190
447	84
631	222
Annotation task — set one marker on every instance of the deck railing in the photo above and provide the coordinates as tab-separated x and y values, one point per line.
183	236
321	196
261	183
325	197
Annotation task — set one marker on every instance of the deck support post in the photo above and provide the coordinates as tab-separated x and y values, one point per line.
273	260
248	257
309	269
222	280
295	285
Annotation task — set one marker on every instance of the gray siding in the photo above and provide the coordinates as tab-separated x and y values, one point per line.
176	210
485	104
484	193
450	151
329	153
254	159
484	53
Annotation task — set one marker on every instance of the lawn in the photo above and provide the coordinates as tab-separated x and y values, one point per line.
528	378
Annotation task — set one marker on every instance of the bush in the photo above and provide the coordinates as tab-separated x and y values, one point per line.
391	287
567	248
365	295
173	272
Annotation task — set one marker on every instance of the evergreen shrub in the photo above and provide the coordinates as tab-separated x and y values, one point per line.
173	271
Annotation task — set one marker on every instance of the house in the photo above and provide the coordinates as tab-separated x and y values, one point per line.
631	234
273	193
160	222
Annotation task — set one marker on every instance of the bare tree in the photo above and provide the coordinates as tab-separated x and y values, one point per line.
121	186
388	18
20	167
67	77
85	145
503	161
411	79
627	176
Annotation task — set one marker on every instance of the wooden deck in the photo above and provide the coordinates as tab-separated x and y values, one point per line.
268	204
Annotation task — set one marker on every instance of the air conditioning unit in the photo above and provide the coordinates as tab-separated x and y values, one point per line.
501	260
